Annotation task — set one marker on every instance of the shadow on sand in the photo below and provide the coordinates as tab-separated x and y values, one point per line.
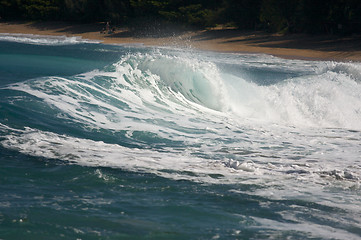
152	29
291	41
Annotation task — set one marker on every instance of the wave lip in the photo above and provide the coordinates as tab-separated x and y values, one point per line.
197	81
43	39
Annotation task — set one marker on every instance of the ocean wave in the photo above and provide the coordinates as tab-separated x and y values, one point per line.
43	39
176	85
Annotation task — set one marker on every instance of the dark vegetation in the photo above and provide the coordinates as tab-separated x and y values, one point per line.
287	16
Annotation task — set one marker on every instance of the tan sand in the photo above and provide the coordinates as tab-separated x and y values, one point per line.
298	46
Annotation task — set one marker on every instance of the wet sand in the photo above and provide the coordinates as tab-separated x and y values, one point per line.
294	46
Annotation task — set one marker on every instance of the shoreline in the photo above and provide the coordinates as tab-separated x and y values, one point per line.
293	46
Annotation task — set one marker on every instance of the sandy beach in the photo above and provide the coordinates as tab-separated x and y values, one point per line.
295	46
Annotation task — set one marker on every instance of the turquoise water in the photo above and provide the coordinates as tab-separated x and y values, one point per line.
127	142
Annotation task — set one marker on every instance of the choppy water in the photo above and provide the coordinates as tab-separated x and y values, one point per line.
119	142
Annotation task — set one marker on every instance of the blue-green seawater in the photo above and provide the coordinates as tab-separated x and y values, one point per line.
128	142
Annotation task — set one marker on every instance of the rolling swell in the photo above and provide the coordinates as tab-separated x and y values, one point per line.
166	82
274	144
133	87
175	102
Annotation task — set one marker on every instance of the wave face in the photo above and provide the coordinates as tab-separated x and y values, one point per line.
281	134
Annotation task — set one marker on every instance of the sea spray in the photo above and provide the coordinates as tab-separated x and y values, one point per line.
165	143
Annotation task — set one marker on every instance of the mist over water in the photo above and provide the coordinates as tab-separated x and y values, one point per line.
266	147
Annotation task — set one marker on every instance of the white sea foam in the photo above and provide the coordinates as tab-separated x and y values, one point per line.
43	39
273	165
313	230
317	98
292	137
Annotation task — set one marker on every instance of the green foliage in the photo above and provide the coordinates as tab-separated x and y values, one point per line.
242	13
279	15
9	9
324	16
84	10
195	15
38	9
314	16
117	11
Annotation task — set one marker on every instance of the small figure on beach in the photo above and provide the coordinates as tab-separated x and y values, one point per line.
107	29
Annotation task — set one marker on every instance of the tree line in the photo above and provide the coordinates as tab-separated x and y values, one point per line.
311	16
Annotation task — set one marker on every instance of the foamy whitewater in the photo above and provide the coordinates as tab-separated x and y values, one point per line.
125	142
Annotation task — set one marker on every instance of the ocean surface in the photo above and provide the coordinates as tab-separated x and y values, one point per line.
131	142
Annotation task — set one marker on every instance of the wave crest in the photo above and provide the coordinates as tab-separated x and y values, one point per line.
165	75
